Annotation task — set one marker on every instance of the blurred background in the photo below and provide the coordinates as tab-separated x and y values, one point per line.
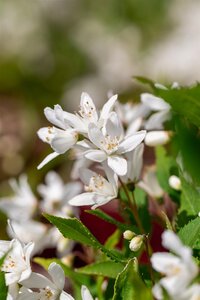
52	50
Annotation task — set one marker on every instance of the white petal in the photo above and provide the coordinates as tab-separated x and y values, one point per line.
85	175
85	293
86	99
47	159
65	296
52	118
87	199
155	103
63	141
172	242
75	122
156	138
45	134
114	126
57	275
134	126
163	262
117	164
96	155
157	120
37	281
131	142
108	107
95	135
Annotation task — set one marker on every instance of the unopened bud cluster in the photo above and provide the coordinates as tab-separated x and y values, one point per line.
136	241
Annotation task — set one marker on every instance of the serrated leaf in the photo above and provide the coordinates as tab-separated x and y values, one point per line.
129	286
105	268
102	215
72	228
190	198
184	101
190	233
76	277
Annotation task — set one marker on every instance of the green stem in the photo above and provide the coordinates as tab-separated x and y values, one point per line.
133	206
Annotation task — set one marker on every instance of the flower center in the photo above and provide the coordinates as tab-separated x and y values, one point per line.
110	144
96	183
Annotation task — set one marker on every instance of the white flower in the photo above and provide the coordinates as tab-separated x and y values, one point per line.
60	139
22	205
17	262
48	289
132	115
175	182
42	235
156	138
179	269
99	191
55	195
135	163
162	109
150	183
110	144
88	114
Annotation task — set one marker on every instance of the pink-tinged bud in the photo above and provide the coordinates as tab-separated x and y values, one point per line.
175	182
156	138
136	243
128	234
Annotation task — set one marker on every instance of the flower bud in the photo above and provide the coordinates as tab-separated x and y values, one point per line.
156	138
128	234
136	243
175	182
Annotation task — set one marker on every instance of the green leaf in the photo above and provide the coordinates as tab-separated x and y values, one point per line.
190	199
190	233
72	228
76	277
184	101
113	240
164	163
145	80
129	286
3	287
102	215
104	268
142	205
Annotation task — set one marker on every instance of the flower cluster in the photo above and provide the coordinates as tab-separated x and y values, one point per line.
109	147
25	284
112	137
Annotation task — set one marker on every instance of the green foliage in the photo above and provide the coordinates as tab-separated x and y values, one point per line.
142	205
3	287
190	233
184	101
104	268
113	239
129	286
190	199
72	228
164	164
